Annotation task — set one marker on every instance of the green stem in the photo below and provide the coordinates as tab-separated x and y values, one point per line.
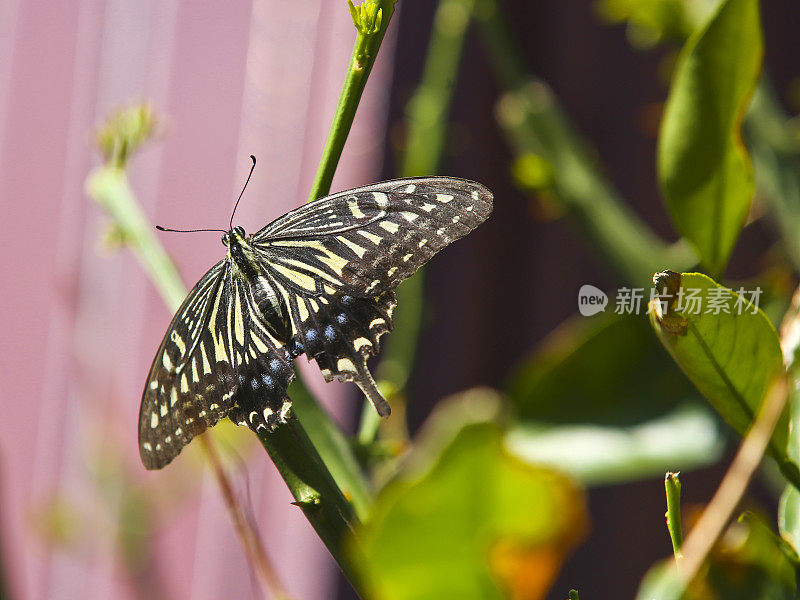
312	486
428	109
335	448
534	124
672	485
371	20
109	187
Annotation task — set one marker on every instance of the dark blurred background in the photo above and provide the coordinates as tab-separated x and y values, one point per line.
517	277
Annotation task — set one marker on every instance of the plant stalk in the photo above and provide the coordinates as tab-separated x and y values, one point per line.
672	486
371	20
427	115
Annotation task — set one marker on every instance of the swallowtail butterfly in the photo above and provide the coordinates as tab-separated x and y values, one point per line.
317	281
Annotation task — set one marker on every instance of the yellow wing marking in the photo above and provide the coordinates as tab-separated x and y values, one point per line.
326	276
178	341
353	206
353	246
370	236
301	279
238	320
206	366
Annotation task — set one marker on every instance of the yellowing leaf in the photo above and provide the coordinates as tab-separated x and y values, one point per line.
465	519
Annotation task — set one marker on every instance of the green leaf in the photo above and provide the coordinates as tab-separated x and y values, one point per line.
704	169
602	370
684	439
731	357
465	519
601	400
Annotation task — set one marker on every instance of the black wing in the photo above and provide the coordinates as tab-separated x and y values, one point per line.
335	262
365	241
215	349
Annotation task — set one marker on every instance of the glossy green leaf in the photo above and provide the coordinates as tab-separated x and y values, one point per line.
704	169
731	357
465	519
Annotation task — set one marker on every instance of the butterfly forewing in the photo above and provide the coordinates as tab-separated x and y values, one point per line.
215	348
366	241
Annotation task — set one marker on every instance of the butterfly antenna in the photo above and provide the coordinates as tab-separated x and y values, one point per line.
243	189
160	228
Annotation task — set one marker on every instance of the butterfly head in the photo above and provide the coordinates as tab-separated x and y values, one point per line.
234	236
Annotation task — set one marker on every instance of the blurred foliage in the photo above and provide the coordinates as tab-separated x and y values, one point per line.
532	172
464	518
58	522
748	563
774	141
703	166
601	400
688	437
124	132
606	370
652	21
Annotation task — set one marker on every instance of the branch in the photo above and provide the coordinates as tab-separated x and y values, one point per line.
371	20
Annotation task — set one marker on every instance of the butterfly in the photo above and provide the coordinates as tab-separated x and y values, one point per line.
317	281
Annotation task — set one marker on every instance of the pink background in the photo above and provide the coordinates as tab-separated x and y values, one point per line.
80	320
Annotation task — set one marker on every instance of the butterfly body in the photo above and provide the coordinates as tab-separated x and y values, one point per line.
267	304
317	281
